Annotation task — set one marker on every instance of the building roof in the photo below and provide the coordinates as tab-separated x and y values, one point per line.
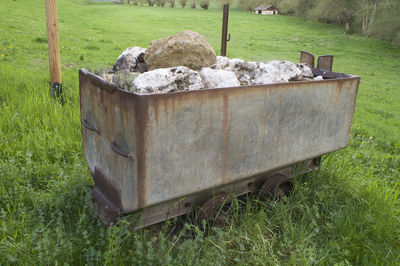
264	7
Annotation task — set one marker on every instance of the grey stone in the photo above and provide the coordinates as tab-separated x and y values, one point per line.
186	48
216	78
141	67
165	80
131	59
318	78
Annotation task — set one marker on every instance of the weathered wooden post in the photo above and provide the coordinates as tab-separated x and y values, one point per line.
224	30
53	47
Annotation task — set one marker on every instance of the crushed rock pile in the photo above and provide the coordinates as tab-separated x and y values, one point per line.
188	62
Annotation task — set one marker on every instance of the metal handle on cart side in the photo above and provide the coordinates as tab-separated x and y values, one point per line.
86	124
115	148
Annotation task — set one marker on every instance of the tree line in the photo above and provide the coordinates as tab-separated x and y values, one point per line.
376	18
205	4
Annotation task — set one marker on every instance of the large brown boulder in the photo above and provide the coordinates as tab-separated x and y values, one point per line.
186	48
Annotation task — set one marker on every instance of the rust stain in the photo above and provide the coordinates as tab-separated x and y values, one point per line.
357	81
173	105
264	125
141	128
278	124
166	113
225	140
339	88
156	105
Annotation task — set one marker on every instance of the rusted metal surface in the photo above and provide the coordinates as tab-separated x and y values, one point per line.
107	196
328	74
325	62
275	187
161	148
224	38
307	58
212	209
176	207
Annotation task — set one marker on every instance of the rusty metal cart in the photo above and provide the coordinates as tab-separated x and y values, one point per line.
158	155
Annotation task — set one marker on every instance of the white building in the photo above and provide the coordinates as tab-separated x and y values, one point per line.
266	10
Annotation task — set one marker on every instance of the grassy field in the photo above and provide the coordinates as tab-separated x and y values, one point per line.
348	212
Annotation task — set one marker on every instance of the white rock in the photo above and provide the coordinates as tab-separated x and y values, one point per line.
288	70
217	78
131	59
305	70
267	74
222	62
244	71
318	78
250	73
235	64
165	80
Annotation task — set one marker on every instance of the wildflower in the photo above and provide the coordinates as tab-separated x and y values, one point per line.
2	54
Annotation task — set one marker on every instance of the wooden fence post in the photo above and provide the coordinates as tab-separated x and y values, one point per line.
53	46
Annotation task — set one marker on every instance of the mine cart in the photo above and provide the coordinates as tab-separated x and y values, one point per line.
159	155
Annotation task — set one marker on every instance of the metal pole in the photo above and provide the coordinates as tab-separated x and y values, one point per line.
224	30
53	47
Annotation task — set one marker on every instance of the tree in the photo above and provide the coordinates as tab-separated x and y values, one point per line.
379	18
192	3
297	7
386	23
221	3
367	11
248	5
172	3
183	3
204	4
150	2
340	11
160	2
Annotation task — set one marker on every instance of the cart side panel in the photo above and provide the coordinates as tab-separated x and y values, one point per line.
203	139
112	113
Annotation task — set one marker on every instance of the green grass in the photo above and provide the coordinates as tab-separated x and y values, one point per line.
348	212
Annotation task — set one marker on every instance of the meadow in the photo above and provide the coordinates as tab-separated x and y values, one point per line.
347	212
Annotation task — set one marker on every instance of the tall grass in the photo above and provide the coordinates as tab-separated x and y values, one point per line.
345	213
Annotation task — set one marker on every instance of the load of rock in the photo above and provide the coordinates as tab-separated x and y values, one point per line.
186	61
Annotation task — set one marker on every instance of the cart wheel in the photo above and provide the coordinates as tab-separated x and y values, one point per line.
211	209
275	187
